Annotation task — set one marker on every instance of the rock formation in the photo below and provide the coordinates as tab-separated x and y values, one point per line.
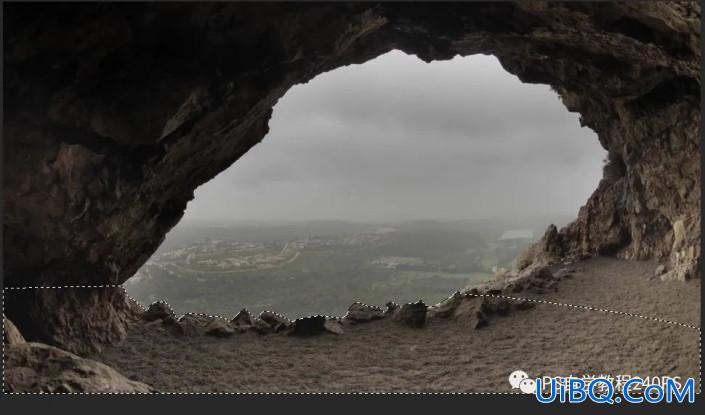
115	113
314	325
37	367
276	322
412	314
10	334
360	313
158	311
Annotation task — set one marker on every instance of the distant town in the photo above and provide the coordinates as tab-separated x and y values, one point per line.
293	270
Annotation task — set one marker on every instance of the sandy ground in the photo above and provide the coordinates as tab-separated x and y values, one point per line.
445	356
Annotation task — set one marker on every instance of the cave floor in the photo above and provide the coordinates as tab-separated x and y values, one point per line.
445	356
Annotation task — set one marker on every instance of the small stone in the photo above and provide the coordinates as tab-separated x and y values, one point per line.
333	326
391	307
309	326
412	314
156	311
275	321
242	319
190	325
359	312
259	327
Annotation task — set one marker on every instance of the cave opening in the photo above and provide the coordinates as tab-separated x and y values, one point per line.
107	138
395	179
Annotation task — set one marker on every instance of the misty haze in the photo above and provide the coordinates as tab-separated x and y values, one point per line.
391	180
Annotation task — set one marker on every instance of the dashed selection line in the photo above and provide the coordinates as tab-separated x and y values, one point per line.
506	297
512	298
589	308
29	287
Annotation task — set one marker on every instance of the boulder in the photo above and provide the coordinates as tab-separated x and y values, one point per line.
276	322
191	325
219	328
359	313
333	326
476	309
447	307
243	319
390	308
157	311
37	367
11	335
258	326
309	326
412	314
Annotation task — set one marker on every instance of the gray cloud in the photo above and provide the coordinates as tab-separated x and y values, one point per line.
396	138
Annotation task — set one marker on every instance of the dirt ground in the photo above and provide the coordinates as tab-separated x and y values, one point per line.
445	356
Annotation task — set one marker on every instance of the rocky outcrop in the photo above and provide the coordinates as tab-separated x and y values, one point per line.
476	306
116	113
276	322
84	319
411	314
243	319
360	313
37	367
189	325
10	335
158	311
315	325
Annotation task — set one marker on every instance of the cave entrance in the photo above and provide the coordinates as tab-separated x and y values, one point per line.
390	180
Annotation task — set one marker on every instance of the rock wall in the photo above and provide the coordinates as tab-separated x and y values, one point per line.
115	113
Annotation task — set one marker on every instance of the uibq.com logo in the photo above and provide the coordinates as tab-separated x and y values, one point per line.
605	389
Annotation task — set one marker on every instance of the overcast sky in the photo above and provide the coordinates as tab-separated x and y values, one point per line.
397	139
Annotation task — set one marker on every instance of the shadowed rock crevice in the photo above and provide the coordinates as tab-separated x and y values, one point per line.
115	113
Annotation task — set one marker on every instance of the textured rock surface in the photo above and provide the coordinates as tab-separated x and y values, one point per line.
83	319
192	325
10	334
115	113
37	367
158	311
359	312
308	326
412	314
276	322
